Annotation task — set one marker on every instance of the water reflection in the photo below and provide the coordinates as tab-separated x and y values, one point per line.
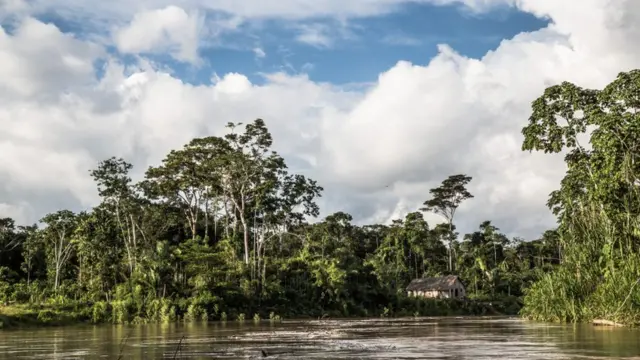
425	338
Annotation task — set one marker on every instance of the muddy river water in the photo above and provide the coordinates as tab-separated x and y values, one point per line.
420	338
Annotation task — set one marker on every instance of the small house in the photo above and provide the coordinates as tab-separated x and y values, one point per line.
447	287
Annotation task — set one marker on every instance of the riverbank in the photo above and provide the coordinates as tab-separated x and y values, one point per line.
23	315
167	311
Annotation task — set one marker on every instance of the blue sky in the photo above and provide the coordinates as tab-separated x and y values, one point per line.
369	47
376	44
449	116
359	48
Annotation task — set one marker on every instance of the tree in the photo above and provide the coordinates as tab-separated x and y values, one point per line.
119	195
490	233
597	204
8	238
249	171
58	234
178	181
607	174
445	201
31	246
207	154
98	251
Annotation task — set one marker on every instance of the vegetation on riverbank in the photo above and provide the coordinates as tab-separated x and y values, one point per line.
220	230
190	310
598	203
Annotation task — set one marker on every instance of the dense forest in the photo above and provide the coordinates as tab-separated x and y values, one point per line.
597	204
221	229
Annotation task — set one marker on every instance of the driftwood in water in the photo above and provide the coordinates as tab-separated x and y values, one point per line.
178	348
603	322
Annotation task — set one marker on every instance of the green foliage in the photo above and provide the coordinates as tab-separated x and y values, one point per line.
120	312
273	317
99	312
219	230
45	316
445	200
597	203
385	312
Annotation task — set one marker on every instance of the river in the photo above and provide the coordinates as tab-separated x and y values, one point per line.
422	338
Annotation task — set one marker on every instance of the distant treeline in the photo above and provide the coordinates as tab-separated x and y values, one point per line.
218	231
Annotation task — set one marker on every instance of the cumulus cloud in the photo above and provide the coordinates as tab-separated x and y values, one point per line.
377	151
167	30
13	6
40	61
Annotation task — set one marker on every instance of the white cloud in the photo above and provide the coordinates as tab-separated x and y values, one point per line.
40	61
324	34
408	131
13	6
259	53
168	30
315	35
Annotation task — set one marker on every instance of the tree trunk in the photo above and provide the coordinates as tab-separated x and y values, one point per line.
450	245
245	234
55	284
495	256
206	219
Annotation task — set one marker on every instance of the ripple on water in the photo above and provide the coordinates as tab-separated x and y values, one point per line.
409	338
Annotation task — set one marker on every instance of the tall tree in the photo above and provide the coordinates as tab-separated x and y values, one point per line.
178	182
249	172
31	246
59	235
598	202
608	172
118	194
446	199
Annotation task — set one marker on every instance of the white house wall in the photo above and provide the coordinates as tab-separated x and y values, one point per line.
441	294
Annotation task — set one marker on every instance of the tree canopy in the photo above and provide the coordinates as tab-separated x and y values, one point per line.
222	228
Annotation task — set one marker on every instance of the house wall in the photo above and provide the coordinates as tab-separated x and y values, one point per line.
441	294
427	294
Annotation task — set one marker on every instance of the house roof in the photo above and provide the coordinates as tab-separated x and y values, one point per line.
433	283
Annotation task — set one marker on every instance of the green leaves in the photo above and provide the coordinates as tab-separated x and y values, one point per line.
598	203
607	170
445	201
558	116
112	177
448	196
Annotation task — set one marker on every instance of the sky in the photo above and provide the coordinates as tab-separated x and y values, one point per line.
378	100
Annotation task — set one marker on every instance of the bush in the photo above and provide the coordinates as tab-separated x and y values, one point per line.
100	312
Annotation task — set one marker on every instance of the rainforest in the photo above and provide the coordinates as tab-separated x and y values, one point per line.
222	230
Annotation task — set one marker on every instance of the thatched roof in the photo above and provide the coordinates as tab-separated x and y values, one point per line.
440	283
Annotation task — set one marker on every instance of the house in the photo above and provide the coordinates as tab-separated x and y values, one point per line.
437	287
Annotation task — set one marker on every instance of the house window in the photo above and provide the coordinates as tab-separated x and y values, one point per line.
456	292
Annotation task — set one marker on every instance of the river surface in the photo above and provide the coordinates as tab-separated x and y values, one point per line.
421	338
